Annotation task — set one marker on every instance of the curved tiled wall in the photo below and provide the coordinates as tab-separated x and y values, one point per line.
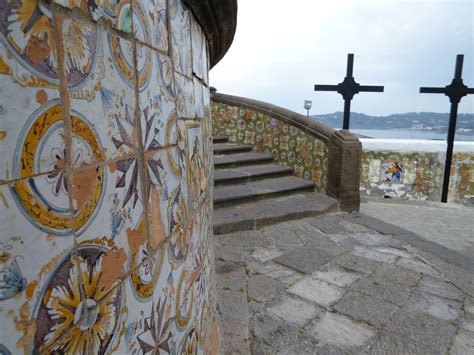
105	196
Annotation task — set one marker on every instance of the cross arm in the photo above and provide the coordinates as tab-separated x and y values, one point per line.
369	88
326	88
432	90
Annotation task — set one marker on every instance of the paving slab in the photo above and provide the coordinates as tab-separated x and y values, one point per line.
234	337
305	259
336	329
252	215
358	264
439	307
434	333
262	288
420	304
231	276
418	266
440	288
463	343
374	255
398	275
336	276
317	291
232	304
382	289
390	343
371	310
329	224
295	310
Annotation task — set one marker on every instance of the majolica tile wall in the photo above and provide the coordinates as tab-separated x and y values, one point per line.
416	175
289	145
105	200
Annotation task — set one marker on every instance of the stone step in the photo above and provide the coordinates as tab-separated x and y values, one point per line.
225	195
238	159
229	148
252	215
250	172
220	139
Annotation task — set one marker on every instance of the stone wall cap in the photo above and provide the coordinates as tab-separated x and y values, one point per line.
218	20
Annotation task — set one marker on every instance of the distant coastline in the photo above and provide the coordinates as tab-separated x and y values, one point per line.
413	125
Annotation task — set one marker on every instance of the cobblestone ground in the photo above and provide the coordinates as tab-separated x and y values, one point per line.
330	285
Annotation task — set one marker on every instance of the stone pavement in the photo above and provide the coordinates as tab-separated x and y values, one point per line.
340	284
450	225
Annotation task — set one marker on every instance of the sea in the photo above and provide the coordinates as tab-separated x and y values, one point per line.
409	134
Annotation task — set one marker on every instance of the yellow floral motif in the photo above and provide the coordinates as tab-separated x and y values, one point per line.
84	310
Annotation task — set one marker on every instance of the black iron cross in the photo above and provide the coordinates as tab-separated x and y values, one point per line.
455	91
348	88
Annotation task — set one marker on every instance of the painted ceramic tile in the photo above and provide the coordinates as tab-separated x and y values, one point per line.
31	124
374	170
150	327
181	37
116	12
150	23
26	232
103	107
157	105
199	48
199	111
191	149
166	206
392	171
185	97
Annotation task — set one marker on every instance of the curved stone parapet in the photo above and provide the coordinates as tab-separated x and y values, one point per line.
316	152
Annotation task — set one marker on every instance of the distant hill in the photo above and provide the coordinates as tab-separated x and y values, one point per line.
422	121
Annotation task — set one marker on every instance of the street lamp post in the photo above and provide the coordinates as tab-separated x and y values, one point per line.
307	106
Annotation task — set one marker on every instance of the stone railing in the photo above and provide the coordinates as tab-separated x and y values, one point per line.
316	152
413	170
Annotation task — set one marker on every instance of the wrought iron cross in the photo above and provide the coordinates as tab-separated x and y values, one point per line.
348	88
455	91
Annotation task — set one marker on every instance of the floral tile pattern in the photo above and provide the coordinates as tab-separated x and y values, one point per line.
117	13
105	196
181	37
199	52
289	146
107	93
149	23
158	105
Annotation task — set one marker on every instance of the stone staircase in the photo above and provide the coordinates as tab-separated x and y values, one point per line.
251	191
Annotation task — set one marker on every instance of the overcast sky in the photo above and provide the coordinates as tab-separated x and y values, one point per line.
282	48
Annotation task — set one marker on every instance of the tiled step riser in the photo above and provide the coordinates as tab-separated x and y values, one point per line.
241	180
232	201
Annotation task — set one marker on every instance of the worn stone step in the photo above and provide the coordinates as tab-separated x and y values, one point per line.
237	159
229	148
252	215
220	139
250	172
226	195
